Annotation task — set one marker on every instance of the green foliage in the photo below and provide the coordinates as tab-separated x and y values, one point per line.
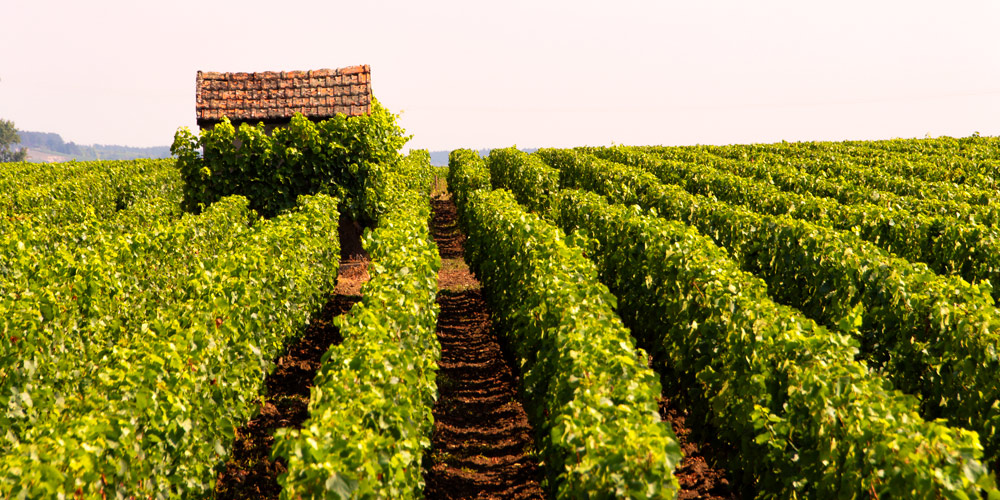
809	421
532	181
9	137
386	183
789	177
72	192
970	161
370	408
931	335
134	340
948	245
467	172
70	294
333	156
588	389
857	169
159	397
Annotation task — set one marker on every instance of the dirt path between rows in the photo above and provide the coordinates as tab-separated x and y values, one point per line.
482	444
250	473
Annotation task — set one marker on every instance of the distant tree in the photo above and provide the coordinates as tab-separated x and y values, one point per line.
9	137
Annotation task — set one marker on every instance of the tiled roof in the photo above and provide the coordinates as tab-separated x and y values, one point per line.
273	96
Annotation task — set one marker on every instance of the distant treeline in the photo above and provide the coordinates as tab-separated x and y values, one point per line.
440	158
53	143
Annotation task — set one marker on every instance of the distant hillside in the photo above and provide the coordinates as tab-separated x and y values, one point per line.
48	147
440	158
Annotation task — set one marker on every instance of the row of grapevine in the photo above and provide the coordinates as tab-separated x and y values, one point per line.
466	175
808	419
849	171
589	393
790	178
17	174
71	192
388	186
947	245
927	147
971	160
370	408
157	409
935	336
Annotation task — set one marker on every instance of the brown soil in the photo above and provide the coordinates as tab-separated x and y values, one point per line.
482	443
454	275
250	472
700	474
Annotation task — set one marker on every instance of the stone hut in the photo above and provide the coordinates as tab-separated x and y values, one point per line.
274	97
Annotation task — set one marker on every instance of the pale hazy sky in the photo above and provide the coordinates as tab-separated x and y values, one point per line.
535	73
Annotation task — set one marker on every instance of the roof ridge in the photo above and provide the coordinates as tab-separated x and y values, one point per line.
275	96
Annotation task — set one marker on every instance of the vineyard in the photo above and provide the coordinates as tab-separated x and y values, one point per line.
822	315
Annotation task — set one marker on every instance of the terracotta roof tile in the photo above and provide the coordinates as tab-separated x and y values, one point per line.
276	96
